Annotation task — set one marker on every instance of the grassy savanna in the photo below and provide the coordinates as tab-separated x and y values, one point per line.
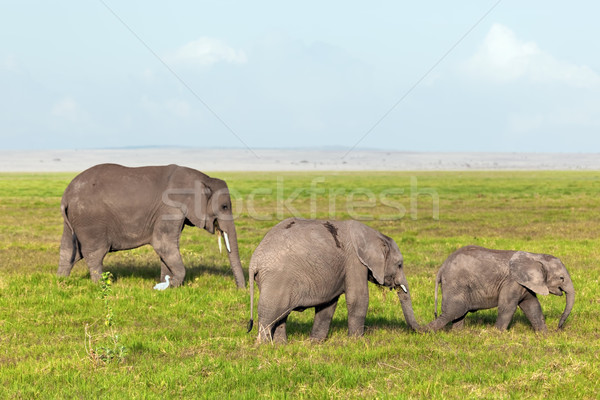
191	342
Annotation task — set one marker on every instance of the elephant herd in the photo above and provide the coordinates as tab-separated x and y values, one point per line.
300	263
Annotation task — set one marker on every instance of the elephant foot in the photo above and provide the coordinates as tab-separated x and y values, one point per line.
265	335
95	276
541	329
435	325
175	282
317	339
64	272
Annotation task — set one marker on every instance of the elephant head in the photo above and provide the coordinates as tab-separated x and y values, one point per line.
543	274
381	255
208	206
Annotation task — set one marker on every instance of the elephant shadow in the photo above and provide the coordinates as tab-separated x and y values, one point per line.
341	325
488	318
151	271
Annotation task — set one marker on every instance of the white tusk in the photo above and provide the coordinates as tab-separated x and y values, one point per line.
220	242
404	288
227	242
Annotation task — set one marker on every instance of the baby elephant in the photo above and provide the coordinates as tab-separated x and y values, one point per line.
474	278
303	263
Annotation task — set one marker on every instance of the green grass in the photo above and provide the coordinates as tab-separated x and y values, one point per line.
191	342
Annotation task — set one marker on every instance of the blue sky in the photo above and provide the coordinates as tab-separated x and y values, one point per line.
267	74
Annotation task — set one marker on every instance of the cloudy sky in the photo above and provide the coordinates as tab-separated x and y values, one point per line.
416	76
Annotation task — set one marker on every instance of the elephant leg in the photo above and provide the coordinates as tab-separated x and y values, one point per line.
265	335
507	305
323	316
94	260
459	323
271	318
441	321
165	242
357	301
171	264
533	311
164	271
279	333
66	253
272	332
453	310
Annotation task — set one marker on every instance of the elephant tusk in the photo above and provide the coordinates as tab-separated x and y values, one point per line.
404	288
219	241
227	242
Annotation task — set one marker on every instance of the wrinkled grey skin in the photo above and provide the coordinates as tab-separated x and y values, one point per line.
302	263
110	207
475	278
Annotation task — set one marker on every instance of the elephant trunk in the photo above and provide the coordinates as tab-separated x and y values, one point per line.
407	309
231	243
570	294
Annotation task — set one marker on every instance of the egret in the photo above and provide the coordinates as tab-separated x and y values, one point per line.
163	285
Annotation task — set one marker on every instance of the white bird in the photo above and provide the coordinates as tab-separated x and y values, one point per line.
163	285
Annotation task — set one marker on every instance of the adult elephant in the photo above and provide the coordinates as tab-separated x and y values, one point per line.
110	207
309	263
475	278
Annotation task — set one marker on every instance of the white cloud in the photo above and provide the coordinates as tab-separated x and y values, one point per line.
148	75
68	109
525	123
176	107
578	119
179	108
207	51
10	63
503	57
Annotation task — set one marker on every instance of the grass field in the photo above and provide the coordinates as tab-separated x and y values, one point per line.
191	342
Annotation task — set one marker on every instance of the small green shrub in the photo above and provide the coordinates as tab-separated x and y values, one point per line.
109	348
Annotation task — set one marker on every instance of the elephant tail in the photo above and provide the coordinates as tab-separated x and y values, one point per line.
75	245
251	287
438	279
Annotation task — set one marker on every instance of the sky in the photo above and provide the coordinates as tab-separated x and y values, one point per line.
507	76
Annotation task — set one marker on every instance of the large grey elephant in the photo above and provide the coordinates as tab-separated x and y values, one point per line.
475	278
309	263
110	207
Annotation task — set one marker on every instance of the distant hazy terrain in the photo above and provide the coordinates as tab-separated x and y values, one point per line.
292	160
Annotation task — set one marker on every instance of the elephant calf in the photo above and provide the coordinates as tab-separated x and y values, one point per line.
475	278
110	207
303	263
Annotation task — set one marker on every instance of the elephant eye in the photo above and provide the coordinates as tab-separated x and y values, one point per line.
562	278
225	207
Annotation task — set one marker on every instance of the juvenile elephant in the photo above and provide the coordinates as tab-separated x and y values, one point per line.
110	207
475	278
309	263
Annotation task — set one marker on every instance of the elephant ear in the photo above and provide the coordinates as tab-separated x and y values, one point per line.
529	272
198	205
370	249
190	194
